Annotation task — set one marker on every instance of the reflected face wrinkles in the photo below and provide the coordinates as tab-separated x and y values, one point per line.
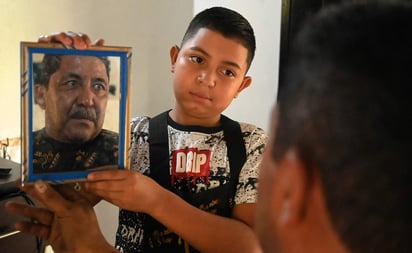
76	99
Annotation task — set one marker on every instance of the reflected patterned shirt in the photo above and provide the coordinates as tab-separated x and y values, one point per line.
50	155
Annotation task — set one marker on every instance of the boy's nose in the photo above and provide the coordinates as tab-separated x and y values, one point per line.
207	78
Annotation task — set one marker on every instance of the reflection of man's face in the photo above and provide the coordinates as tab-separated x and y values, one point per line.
75	99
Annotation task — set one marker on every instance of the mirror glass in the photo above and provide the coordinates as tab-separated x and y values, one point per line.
75	110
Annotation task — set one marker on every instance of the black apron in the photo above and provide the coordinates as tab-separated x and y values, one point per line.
157	238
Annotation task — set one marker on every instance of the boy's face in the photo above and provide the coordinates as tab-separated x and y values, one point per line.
209	71
75	100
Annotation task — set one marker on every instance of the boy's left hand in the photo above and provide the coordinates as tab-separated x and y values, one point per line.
71	39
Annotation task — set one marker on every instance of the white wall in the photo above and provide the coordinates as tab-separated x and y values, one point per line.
150	27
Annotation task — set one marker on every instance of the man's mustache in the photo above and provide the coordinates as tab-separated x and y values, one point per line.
79	112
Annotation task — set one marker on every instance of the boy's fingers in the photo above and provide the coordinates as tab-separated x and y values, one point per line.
78	41
109	174
99	42
68	39
62	38
86	39
44	39
104	168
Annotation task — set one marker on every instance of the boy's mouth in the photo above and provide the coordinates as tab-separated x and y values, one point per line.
200	96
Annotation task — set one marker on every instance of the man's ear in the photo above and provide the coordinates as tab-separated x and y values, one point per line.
174	51
39	95
294	182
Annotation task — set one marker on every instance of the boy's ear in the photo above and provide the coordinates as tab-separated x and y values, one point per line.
247	81
174	51
39	95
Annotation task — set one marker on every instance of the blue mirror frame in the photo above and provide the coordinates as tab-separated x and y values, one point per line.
121	91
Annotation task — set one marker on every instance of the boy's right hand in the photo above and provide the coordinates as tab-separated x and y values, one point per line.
71	40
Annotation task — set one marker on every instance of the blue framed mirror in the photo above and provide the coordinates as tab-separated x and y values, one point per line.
75	110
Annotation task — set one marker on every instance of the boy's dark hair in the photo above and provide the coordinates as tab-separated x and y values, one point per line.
51	63
227	22
346	110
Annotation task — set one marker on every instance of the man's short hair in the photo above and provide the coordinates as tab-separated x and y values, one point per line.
345	107
51	63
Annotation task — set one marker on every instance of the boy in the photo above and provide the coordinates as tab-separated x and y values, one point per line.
196	186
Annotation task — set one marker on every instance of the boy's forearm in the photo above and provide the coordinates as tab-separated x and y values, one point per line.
205	231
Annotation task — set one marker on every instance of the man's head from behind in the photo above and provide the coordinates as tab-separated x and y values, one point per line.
73	91
335	176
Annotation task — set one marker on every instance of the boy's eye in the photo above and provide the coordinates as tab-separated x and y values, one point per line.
196	59
228	72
